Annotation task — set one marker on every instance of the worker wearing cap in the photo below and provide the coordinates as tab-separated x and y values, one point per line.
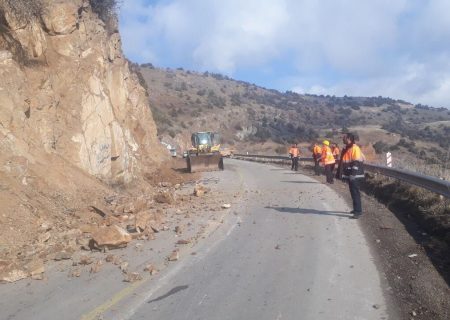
327	160
317	154
353	171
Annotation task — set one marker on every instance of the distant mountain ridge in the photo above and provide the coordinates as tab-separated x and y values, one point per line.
186	101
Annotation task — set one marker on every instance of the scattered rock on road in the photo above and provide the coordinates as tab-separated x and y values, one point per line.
97	266
110	258
226	206
75	273
165	197
178	230
85	260
151	269
124	266
62	255
132	277
174	256
200	190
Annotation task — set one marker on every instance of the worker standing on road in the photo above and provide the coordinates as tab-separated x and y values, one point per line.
336	153
328	161
291	150
353	171
317	154
294	152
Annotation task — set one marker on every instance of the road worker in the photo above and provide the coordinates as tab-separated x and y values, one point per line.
336	153
353	171
294	153
317	154
327	160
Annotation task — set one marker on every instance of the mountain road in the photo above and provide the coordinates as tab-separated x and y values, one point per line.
288	251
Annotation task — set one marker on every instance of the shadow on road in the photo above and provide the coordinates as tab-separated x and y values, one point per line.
300	181
171	292
311	211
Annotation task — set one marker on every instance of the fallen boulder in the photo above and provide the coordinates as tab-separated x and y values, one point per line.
111	237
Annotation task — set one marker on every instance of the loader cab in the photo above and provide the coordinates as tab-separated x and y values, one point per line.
205	142
201	139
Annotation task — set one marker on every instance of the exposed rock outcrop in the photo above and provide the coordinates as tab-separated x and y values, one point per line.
79	99
74	121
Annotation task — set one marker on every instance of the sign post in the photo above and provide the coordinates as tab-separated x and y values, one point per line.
389	159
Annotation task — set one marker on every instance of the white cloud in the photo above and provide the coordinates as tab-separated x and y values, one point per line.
397	48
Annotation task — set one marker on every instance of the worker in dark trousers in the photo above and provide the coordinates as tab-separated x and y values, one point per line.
294	152
353	172
328	161
317	154
336	153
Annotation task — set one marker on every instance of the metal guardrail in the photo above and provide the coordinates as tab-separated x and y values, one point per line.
433	184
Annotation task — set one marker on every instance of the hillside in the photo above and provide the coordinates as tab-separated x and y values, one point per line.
254	118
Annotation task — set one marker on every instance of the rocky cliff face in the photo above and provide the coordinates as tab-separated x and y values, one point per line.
74	123
75	97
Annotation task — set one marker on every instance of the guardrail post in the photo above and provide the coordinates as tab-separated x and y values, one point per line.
389	159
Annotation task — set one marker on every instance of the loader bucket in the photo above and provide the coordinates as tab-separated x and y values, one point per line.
204	162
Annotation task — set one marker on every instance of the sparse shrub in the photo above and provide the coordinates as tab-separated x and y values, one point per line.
181	87
394	148
134	68
147	65
173	113
280	150
195	114
24	11
251	113
216	100
105	9
380	147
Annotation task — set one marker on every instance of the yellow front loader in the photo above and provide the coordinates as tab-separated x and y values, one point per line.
205	152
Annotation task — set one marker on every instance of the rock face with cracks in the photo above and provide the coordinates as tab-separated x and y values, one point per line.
76	98
74	121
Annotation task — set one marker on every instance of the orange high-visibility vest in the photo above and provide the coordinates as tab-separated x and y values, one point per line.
295	152
353	154
327	155
317	150
336	152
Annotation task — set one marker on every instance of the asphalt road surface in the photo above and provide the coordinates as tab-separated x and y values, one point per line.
289	251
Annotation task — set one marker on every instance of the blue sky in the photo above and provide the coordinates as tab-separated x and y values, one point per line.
395	48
